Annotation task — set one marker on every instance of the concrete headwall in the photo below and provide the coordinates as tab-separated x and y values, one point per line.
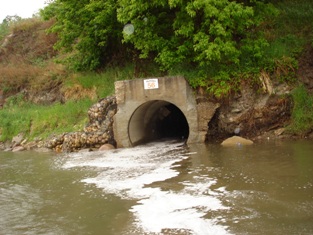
141	102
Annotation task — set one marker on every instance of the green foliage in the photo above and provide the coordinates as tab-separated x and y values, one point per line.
200	32
288	34
302	115
172	32
211	41
295	16
208	42
284	46
87	29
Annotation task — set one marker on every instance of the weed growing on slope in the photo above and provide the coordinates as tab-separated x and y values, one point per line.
302	115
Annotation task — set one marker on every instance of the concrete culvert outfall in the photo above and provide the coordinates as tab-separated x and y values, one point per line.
155	120
155	108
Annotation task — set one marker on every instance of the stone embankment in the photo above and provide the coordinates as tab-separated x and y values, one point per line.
97	132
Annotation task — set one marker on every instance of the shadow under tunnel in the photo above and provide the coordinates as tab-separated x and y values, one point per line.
156	120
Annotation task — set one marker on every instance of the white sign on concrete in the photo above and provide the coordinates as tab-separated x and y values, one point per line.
151	84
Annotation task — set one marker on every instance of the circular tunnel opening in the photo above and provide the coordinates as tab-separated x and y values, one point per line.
157	120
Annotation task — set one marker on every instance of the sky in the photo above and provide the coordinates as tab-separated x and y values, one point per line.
22	8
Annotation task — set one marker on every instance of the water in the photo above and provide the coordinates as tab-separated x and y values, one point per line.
160	188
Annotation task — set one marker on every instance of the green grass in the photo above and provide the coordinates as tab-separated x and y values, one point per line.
13	122
42	121
295	16
59	118
302	115
104	82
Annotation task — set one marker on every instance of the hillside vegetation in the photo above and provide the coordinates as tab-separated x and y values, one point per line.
54	66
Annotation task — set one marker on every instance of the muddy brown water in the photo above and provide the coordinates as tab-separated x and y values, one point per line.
160	188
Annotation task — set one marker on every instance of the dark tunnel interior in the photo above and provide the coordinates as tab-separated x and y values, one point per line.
173	125
157	120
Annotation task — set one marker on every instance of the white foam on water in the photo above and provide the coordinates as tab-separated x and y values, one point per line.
128	173
178	211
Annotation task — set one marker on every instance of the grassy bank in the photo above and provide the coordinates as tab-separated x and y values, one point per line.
41	121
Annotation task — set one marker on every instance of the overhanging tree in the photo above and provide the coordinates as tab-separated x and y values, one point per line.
209	35
88	31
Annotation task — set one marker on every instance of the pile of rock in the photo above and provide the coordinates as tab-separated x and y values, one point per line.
19	143
98	131
101	115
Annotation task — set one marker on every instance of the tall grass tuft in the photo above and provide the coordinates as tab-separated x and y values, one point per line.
104	82
302	115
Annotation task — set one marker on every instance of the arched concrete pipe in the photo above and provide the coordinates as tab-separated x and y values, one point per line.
157	119
166	107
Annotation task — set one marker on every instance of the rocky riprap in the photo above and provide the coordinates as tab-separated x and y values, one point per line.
97	132
252	114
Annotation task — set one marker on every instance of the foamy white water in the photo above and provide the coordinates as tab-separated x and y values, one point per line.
135	173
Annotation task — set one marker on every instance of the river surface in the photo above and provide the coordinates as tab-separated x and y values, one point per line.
160	188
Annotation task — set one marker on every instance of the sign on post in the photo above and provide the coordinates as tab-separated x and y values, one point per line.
151	84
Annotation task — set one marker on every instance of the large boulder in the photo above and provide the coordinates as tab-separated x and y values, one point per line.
106	147
236	141
18	149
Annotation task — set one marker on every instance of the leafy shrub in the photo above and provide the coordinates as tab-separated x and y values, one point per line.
88	31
